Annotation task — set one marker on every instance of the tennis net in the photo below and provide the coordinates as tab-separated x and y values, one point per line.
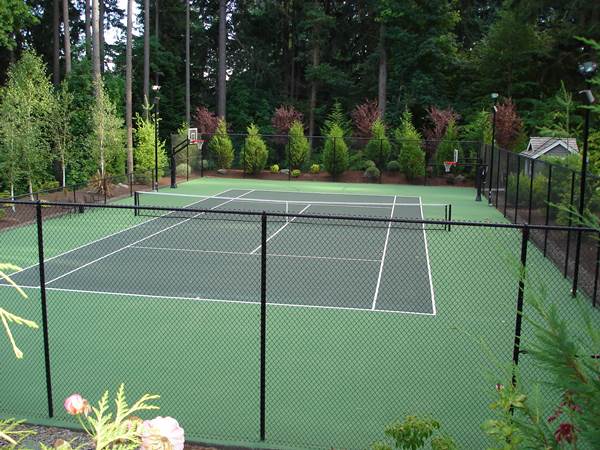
284	210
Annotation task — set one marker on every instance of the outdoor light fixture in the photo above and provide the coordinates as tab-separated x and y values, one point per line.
155	87
494	95
588	69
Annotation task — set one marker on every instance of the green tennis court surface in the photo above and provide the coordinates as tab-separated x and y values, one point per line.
359	333
349	268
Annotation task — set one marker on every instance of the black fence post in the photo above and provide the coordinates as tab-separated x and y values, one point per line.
531	190
517	188
201	154
520	296
568	250
498	179
40	236
506	181
334	150
263	321
381	162
289	158
187	161
136	203
450	217
130	182
548	196
596	272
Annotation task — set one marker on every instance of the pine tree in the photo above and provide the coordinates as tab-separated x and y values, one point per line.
144	148
297	146
221	147
255	151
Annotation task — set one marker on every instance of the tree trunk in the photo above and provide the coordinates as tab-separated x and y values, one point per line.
96	44
56	42
128	76
316	55
146	56
67	37
101	9
221	93
382	72
88	26
187	63
156	17
63	169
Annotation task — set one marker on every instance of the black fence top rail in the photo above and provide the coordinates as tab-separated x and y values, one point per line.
322	217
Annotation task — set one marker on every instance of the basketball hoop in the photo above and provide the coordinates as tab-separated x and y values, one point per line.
198	142
448	165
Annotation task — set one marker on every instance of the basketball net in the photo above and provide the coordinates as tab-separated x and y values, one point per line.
448	165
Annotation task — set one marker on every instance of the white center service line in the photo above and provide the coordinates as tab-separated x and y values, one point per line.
142	240
280	229
387	237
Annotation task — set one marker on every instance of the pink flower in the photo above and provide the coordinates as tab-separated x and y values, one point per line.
76	404
162	432
565	431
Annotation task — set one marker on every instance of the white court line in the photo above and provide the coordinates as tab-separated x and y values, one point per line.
387	237
335	193
280	229
107	236
138	241
216	300
276	255
427	257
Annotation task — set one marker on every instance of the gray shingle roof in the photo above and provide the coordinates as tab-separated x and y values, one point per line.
540	145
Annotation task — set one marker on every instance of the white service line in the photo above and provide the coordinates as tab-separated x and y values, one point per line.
276	255
428	263
387	237
107	236
217	300
280	229
139	240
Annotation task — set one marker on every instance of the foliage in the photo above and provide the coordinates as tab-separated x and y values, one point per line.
107	138
558	123
364	117
439	121
143	151
414	433
357	161
221	147
378	149
7	317
11	432
26	105
60	119
369	163
393	166
297	146
336	117
284	118
182	169
255	151
479	129
295	173
275	168
205	121
315	169
411	156
372	173
335	151
14	14
508	125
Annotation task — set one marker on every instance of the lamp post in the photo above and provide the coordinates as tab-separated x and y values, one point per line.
156	89
494	96
587	70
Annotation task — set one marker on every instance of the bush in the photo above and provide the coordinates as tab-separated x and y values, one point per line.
182	170
295	173
357	161
255	151
368	163
393	166
372	173
48	185
297	146
221	147
379	148
335	151
315	168
445	151
274	168
2	213
411	156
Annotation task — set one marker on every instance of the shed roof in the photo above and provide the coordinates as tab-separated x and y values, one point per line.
538	146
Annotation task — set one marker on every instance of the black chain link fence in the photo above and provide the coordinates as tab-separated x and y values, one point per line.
299	330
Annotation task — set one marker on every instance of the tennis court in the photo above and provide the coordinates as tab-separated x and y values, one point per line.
379	266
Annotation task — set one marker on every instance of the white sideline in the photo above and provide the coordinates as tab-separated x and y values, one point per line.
387	237
139	240
428	263
276	255
216	300
107	236
281	229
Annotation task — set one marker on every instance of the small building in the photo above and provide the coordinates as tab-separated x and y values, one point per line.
548	146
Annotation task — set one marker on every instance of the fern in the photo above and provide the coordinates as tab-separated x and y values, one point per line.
10	432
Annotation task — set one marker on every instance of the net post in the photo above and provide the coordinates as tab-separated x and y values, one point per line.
548	196
136	203
42	275
520	296
263	321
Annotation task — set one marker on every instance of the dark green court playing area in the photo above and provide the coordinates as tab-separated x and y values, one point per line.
201	255
367	321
